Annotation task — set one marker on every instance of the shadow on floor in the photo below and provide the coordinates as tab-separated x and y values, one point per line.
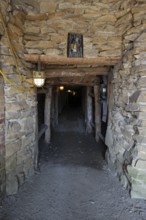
74	149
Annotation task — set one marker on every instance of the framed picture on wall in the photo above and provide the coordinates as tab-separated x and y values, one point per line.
75	45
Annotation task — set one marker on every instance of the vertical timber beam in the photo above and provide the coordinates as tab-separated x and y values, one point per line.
89	116
53	108
56	107
97	113
48	100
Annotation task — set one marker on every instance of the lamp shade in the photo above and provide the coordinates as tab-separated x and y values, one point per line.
38	78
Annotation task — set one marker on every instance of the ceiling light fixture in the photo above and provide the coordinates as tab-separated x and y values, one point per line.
61	88
39	76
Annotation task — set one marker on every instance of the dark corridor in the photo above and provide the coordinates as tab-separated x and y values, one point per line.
71	113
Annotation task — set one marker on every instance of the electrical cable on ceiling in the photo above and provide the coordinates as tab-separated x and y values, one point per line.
11	83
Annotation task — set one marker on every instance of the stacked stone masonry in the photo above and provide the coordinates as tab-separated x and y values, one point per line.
20	118
46	32
110	28
126	136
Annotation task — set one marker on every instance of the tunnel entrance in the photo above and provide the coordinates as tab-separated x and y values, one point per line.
71	115
71	109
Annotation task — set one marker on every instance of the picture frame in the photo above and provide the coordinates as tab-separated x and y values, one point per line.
75	45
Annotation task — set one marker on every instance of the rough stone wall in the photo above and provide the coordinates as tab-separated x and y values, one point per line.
20	107
46	32
2	140
126	134
4	8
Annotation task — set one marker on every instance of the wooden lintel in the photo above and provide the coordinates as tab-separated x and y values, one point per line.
58	60
55	83
76	72
84	81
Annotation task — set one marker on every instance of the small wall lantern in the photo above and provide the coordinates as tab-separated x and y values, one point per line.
38	78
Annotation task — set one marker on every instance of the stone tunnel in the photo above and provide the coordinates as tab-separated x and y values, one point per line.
93	56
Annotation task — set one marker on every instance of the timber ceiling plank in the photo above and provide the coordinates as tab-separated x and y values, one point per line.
84	81
58	60
49	73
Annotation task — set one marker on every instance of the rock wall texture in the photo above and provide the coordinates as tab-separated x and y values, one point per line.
2	115
2	140
126	134
46	31
20	147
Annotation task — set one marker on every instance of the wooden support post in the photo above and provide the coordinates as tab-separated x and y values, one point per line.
54	112
89	116
97	113
56	108
53	109
47	114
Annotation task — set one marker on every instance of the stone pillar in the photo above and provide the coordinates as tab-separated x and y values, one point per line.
97	113
89	116
47	115
126	132
18	129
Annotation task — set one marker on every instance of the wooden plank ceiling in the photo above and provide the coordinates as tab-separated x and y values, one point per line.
73	71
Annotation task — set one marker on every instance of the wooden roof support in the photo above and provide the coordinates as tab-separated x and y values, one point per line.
49	73
58	60
84	81
55	83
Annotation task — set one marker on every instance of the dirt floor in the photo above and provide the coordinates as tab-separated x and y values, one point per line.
73	183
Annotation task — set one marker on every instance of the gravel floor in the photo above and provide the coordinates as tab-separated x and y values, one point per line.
73	183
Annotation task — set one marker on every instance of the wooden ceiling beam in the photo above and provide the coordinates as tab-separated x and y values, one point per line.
84	81
55	83
49	73
58	60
